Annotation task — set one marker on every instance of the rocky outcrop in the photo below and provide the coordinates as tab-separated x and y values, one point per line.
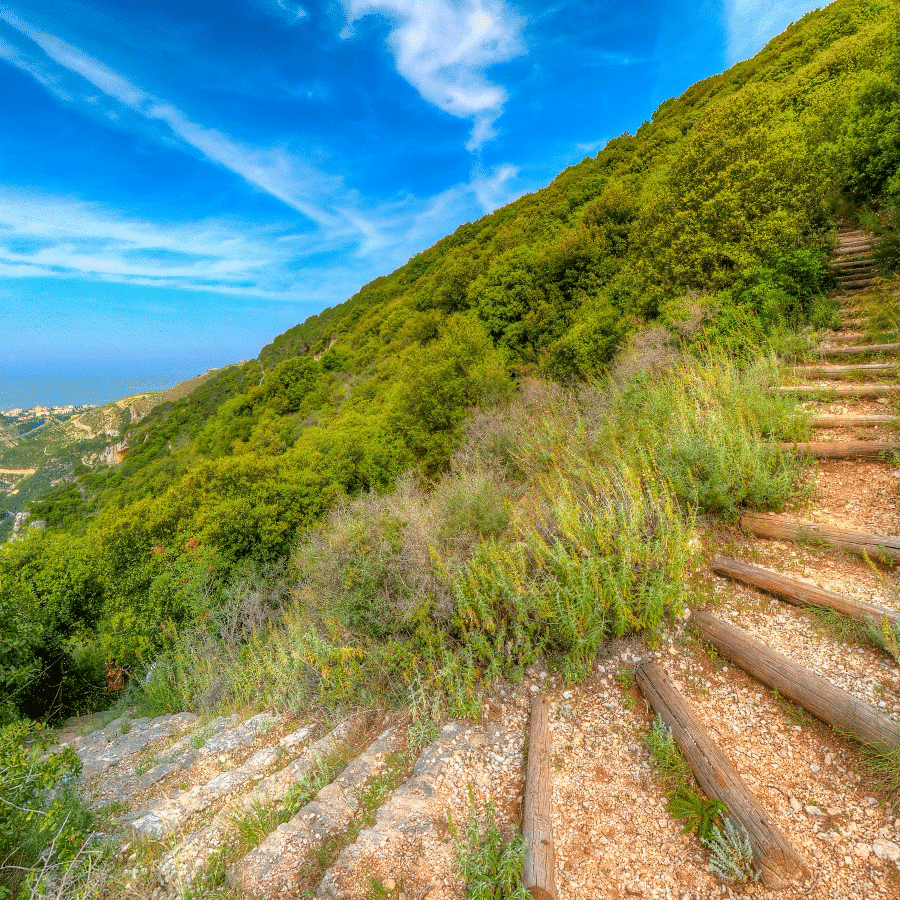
22	523
115	453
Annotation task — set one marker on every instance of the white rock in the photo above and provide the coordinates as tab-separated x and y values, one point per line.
886	850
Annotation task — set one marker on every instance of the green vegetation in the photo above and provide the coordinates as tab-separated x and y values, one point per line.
497	454
499	451
489	861
886	637
731	858
730	854
699	815
672	768
44	824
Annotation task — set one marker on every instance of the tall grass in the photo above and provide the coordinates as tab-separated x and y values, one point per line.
567	519
604	557
710	428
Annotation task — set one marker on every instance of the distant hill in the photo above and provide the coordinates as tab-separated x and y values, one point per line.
48	450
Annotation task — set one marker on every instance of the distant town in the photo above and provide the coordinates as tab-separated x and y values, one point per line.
43	411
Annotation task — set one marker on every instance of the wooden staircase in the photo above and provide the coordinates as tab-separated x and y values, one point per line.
853	262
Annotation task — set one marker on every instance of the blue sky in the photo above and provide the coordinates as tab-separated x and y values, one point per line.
182	181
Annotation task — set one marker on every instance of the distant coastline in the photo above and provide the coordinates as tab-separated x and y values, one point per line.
27	393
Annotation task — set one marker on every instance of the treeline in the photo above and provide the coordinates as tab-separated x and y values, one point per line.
712	221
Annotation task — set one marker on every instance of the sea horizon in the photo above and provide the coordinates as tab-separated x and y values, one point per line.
27	393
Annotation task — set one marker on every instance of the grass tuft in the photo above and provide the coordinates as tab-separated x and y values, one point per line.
490	861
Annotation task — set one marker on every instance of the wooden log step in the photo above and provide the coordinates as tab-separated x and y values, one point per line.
842	390
852	262
826	701
845	336
862	543
539	868
841	449
824	370
773	853
866	421
800	593
857	350
853	279
857	279
852	250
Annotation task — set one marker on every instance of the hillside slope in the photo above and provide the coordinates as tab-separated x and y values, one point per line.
710	227
40	451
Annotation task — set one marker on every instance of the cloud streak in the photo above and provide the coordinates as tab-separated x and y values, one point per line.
443	47
49	236
273	171
56	237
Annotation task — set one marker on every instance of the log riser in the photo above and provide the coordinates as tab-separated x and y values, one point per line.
799	593
884	548
833	705
841	449
772	851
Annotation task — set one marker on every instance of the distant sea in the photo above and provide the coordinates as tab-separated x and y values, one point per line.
25	393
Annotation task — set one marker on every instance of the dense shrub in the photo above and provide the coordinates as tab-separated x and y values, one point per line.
43	822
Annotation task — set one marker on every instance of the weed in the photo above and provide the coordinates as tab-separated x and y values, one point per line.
672	767
730	853
883	763
125	727
421	733
426	711
796	714
886	637
490	862
697	684
201	736
377	891
396	769
252	826
700	815
106	814
151	762
840	627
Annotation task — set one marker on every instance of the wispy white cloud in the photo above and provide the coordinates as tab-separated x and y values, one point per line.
750	24
443	48
65	237
292	11
414	224
274	171
42	235
46	236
